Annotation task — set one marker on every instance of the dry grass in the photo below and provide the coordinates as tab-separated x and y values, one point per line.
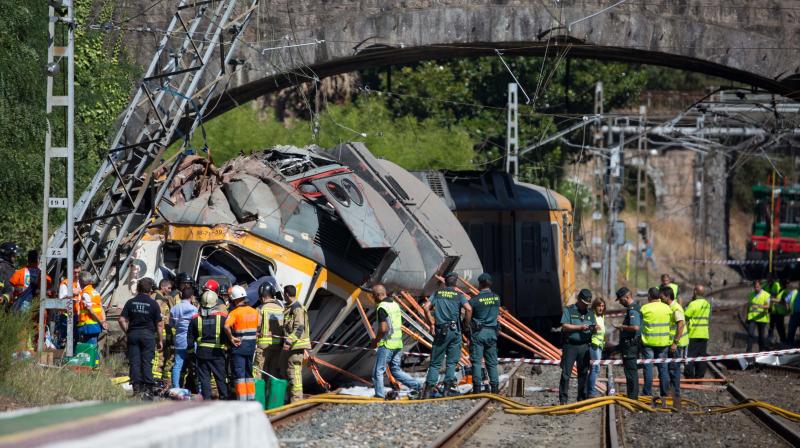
33	385
24	383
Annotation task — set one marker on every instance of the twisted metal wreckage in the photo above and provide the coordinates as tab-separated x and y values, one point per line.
331	223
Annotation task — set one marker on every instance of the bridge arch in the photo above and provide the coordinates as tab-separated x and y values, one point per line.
753	41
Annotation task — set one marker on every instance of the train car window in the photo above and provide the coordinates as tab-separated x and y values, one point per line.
322	310
338	193
237	264
171	255
532	247
353	191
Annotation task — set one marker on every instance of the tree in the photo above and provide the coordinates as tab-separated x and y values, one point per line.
103	78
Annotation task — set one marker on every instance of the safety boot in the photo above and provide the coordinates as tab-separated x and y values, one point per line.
476	389
494	388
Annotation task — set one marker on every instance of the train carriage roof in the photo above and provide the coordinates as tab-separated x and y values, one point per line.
491	190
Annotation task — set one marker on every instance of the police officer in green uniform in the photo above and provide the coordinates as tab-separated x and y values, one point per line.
577	326
483	342
445	320
630	338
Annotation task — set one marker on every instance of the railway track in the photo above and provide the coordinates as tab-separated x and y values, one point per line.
788	370
293	415
770	421
612	419
464	427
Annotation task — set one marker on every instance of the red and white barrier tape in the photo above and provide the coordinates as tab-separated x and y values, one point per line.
744	262
605	362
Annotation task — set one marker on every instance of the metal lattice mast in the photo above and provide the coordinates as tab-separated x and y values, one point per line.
512	132
169	103
60	53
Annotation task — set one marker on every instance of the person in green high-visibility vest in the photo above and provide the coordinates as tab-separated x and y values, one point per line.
666	280
778	310
793	304
698	319
757	309
389	343
596	345
656	317
679	340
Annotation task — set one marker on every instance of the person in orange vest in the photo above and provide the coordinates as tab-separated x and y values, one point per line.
26	282
89	309
241	327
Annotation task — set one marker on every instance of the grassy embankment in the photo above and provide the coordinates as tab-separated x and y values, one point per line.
23	383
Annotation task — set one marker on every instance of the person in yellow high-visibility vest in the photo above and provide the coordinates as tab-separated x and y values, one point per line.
757	309
656	317
679	340
698	316
778	310
389	343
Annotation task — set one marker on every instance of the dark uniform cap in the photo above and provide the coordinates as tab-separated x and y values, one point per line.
585	296
485	278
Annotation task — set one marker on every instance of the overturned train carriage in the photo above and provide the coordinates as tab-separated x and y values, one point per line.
523	235
329	222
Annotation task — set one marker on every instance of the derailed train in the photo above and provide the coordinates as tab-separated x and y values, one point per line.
334	222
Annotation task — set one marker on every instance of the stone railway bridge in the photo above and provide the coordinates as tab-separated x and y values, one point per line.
751	41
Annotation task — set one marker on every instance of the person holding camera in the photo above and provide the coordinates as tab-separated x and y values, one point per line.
577	326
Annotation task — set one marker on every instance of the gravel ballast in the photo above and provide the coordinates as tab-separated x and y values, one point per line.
508	430
374	425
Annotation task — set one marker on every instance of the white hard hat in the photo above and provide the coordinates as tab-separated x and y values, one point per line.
237	292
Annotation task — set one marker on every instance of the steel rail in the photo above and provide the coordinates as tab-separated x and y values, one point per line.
790	370
773	423
464	427
611	434
290	416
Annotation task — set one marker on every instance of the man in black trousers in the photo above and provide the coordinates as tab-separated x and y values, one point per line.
141	322
577	325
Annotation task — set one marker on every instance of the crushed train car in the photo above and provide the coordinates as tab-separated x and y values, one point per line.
330	222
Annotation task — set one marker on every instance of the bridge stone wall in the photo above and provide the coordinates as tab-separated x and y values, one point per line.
753	41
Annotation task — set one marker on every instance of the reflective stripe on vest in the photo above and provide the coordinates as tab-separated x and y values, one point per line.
698	313
758	309
270	312
217	334
656	317
599	338
393	339
673	325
